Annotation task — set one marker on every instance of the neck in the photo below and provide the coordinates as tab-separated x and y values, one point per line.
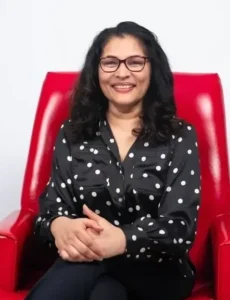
124	118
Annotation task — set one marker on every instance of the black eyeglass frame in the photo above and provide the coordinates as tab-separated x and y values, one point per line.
120	61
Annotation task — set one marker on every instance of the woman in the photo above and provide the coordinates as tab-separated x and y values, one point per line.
122	202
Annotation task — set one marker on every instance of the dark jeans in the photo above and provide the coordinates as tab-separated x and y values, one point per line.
111	280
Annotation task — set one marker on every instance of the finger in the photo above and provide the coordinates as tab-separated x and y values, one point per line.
71	254
64	254
93	224
92	233
76	255
87	238
85	251
90	214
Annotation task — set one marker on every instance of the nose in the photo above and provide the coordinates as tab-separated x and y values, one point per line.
122	71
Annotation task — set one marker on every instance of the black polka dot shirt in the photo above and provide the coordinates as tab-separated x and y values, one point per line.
153	195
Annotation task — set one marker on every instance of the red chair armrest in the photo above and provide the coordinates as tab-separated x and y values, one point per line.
14	231
221	256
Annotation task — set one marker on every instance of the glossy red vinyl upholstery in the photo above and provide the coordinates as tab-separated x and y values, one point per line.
199	100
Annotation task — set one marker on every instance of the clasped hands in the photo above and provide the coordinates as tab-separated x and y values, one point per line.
87	239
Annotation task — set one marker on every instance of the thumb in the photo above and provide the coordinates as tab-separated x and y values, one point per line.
90	214
92	224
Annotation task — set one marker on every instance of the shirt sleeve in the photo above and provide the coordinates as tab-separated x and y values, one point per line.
174	230
58	197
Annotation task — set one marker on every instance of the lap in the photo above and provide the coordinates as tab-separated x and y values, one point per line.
151	281
70	281
67	280
108	288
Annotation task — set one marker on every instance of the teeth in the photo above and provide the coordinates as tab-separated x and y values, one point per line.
123	86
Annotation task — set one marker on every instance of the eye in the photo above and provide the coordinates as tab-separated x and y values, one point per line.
109	62
135	61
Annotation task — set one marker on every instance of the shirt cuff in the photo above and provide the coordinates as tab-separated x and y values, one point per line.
137	241
49	234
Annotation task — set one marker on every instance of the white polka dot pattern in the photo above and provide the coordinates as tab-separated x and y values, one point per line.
172	233
114	190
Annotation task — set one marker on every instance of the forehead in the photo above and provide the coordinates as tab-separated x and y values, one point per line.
123	47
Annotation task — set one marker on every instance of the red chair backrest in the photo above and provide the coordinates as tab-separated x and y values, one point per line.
199	100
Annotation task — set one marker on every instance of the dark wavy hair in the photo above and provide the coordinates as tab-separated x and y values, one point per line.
89	105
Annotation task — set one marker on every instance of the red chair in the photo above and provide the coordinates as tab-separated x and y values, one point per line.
200	101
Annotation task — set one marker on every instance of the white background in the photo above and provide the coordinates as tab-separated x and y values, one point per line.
54	35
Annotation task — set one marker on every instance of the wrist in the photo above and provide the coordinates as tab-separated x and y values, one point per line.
55	222
123	242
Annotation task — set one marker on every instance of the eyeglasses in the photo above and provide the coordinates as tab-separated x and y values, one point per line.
132	63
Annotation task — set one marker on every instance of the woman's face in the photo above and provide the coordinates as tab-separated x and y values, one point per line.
124	87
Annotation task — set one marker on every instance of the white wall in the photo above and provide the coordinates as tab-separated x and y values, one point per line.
53	35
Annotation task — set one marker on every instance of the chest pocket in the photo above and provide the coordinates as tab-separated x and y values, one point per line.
150	169
90	166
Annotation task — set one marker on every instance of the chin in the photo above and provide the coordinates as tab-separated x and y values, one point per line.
125	102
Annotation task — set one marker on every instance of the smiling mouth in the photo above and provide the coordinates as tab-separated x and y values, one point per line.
123	88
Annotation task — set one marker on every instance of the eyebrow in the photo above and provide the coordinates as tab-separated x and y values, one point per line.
114	56
110	56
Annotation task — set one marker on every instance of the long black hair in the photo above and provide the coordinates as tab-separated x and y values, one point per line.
89	105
